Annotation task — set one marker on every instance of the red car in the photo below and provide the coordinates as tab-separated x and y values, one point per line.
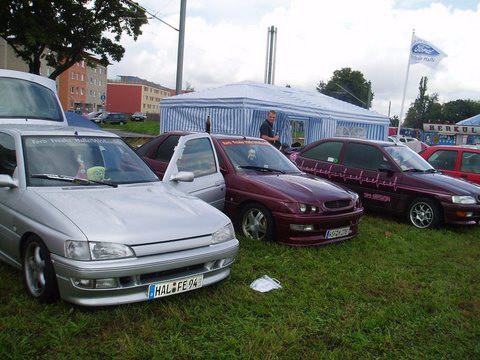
262	191
392	178
457	161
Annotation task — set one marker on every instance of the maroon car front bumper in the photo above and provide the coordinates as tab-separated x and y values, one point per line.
324	227
459	214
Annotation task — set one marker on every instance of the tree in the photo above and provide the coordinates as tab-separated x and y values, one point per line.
458	110
425	108
348	85
394	121
64	32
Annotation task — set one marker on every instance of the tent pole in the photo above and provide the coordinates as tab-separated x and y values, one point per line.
405	87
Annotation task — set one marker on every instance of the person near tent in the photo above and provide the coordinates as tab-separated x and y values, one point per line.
266	129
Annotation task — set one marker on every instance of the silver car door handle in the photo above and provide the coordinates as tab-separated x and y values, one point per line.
218	183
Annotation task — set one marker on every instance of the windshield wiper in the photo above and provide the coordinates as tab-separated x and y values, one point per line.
261	168
74	180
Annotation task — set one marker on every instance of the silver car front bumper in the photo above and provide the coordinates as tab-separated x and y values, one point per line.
134	275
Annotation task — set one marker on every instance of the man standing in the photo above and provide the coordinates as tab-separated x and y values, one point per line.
266	130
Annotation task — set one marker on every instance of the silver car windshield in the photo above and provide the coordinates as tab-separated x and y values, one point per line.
407	159
27	100
51	160
257	155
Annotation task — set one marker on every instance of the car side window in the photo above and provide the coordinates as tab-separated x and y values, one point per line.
363	156
166	148
443	159
327	151
470	162
8	158
198	157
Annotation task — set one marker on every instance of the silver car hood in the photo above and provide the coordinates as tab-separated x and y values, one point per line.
134	214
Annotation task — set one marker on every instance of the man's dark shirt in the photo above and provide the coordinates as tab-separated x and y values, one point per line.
266	129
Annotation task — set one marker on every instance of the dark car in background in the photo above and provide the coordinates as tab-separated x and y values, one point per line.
138	116
114	118
457	161
263	192
392	178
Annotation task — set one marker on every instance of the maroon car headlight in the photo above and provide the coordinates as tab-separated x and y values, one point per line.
462	199
302	208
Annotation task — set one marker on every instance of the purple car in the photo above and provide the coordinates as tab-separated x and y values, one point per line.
392	178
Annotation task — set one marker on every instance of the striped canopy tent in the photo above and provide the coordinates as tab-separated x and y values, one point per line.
472	121
241	108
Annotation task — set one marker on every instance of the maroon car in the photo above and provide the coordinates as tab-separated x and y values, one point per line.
263	192
392	178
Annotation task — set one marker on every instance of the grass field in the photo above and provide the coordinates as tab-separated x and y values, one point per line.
146	127
393	292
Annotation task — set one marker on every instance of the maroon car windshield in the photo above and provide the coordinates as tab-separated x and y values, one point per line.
256	155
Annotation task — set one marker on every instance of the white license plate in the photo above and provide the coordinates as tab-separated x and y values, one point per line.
174	287
335	233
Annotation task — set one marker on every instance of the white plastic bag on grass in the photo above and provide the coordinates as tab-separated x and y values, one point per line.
265	283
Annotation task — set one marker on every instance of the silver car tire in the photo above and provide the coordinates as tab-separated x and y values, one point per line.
257	222
38	272
424	213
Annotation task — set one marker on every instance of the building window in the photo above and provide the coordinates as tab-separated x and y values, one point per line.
83	64
100	71
71	75
145	88
81	91
72	90
82	77
91	80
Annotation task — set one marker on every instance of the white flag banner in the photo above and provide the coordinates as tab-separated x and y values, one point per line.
426	53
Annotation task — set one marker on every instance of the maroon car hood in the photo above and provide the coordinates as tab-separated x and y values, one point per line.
443	183
302	188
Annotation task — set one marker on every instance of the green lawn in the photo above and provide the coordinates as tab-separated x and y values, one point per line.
393	292
146	127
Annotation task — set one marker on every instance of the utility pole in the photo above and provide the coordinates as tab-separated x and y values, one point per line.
271	55
181	41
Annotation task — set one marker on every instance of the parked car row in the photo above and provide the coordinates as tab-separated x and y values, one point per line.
104	117
88	221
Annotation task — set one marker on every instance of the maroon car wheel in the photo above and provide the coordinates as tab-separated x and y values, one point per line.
38	273
424	213
257	222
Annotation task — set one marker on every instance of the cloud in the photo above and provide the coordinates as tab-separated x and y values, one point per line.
226	42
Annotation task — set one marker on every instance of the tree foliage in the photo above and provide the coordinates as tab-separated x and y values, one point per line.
427	109
63	32
348	85
424	109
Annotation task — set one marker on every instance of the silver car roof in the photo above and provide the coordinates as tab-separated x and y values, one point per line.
24	129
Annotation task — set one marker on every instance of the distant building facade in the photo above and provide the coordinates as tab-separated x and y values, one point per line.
130	94
80	88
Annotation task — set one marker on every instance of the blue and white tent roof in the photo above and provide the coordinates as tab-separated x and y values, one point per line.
270	97
474	121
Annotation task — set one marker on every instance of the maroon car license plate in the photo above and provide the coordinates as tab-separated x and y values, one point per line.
340	232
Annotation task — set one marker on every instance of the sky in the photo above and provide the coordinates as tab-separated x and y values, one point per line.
225	42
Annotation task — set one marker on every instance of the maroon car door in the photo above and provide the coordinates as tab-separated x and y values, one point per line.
370	173
158	152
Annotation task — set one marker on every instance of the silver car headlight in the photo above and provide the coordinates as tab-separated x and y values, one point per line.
93	250
224	234
463	199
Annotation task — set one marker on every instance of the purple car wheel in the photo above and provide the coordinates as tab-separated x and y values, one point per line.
257	222
424	213
38	273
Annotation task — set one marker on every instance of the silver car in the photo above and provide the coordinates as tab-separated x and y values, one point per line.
86	219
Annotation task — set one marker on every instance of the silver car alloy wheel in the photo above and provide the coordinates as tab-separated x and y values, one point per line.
34	269
255	224
421	215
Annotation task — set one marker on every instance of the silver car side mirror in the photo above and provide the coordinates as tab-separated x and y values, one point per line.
185	176
8	181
